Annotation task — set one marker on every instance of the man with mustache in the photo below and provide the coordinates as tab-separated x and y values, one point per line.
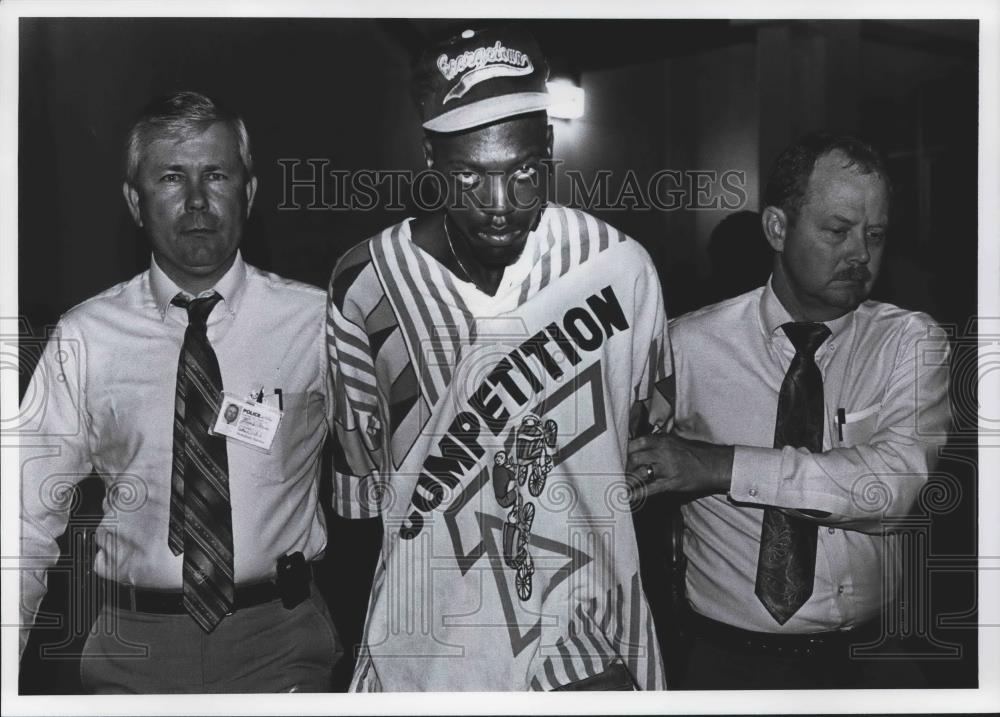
807	420
487	366
210	526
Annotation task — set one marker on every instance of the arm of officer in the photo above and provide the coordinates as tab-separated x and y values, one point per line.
54	457
852	487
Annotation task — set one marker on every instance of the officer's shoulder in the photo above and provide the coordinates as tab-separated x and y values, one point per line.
120	296
708	318
290	290
885	319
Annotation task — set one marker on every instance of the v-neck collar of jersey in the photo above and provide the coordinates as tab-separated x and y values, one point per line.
513	277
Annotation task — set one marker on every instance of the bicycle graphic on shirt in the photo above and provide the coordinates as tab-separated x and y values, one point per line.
529	463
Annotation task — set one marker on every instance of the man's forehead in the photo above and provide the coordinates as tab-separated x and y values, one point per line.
511	139
214	144
837	181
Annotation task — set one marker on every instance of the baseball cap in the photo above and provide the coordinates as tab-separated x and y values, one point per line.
480	76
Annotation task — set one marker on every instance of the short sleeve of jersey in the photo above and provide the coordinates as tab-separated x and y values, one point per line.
355	418
654	367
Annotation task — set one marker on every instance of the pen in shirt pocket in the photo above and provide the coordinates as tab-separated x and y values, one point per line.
841	420
271	398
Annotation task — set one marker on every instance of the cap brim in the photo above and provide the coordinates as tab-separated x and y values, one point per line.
488	110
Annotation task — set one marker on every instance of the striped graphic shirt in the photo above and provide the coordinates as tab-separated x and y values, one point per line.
490	434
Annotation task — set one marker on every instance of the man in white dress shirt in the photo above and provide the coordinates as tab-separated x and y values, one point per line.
807	419
210	524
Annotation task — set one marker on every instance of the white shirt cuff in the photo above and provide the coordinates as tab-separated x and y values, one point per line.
756	473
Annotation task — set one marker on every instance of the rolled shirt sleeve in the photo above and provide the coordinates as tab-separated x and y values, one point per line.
859	485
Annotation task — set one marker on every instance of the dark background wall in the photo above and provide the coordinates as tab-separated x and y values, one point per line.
706	95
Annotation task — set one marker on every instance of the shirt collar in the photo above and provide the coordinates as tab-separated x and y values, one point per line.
230	287
773	314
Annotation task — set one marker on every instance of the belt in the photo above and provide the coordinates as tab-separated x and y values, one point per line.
811	644
171	602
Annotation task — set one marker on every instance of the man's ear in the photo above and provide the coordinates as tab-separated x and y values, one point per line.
132	200
775	224
251	190
428	153
548	142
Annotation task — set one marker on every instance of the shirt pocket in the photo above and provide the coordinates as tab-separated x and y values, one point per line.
859	426
292	445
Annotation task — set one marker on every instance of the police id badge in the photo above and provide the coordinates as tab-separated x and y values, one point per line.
248	422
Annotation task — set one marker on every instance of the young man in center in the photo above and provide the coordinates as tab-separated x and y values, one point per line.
491	360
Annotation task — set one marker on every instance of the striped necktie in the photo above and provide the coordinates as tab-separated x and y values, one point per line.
786	565
201	524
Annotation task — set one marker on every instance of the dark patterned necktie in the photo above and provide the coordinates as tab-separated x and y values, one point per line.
786	565
201	524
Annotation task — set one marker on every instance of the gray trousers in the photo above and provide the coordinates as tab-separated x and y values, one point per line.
265	648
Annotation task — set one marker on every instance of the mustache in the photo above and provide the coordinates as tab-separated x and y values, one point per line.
853	273
202	223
